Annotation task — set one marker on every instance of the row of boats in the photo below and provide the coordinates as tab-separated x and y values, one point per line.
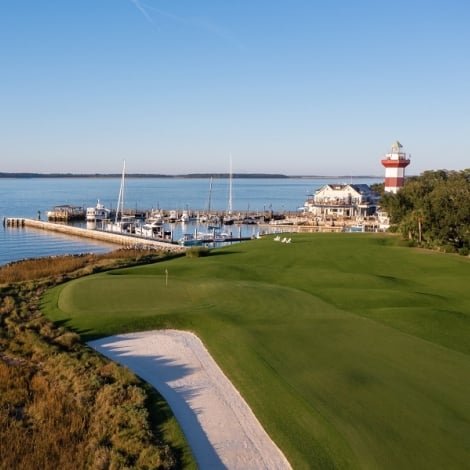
100	213
152	225
155	226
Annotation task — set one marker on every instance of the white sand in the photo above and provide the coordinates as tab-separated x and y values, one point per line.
221	429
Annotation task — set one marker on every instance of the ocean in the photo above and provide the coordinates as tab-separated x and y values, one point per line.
33	197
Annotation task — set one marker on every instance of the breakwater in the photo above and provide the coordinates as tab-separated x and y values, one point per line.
108	237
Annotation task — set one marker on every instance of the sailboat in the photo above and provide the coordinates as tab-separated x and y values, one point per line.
207	217
122	223
120	203
228	217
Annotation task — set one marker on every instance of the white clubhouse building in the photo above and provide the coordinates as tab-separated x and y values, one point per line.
342	200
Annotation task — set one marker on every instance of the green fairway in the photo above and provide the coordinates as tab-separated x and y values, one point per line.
354	352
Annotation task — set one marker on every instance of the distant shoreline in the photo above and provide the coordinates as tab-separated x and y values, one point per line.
187	176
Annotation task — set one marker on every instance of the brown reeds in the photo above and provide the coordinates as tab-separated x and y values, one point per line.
56	266
61	404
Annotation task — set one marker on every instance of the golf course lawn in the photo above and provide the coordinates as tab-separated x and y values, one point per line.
353	351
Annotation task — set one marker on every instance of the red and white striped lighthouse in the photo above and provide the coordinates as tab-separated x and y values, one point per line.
395	163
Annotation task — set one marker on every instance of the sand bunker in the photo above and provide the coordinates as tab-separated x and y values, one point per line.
221	429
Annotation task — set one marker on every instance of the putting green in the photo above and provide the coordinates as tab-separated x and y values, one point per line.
351	350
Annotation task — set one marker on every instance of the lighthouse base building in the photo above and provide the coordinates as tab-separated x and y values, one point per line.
395	163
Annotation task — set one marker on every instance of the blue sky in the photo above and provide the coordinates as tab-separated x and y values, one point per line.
300	87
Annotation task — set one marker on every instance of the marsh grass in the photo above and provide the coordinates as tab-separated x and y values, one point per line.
57	268
61	404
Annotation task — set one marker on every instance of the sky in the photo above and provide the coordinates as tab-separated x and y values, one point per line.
298	87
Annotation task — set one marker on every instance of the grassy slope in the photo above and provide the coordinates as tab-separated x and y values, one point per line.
352	351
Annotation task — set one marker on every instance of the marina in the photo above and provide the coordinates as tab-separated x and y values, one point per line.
135	237
169	231
260	206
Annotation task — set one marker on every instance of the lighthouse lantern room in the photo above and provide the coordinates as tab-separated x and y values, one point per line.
395	163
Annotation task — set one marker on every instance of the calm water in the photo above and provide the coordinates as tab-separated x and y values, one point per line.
27	197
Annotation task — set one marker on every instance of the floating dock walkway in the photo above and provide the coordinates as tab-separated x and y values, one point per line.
108	237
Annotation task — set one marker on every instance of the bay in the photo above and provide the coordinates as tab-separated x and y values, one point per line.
33	197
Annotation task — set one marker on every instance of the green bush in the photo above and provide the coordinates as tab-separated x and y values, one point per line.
197	252
448	249
464	251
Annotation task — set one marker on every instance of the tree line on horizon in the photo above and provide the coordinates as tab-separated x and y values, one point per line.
142	175
187	175
432	210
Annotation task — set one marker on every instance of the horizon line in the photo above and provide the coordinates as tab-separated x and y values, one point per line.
25	174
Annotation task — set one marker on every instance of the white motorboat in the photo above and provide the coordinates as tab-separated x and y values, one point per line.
126	224
153	229
172	216
156	217
97	213
185	217
188	239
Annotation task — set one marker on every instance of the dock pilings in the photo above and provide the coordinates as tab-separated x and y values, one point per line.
13	222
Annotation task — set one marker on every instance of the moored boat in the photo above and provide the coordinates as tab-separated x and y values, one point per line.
153	229
184	217
172	216
188	239
123	223
97	213
126	224
156	217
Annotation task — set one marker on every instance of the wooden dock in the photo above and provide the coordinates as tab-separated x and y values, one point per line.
66	213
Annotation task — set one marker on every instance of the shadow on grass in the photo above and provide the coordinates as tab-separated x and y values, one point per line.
85	334
224	252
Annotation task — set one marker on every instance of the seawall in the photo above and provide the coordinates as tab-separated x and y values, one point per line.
108	237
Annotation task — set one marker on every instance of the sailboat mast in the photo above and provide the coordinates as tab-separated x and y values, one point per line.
210	197
120	203
230	189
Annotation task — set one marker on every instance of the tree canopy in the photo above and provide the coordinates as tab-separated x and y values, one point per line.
433	209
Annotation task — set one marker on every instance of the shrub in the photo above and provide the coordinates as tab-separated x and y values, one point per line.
197	252
448	248
68	340
464	251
